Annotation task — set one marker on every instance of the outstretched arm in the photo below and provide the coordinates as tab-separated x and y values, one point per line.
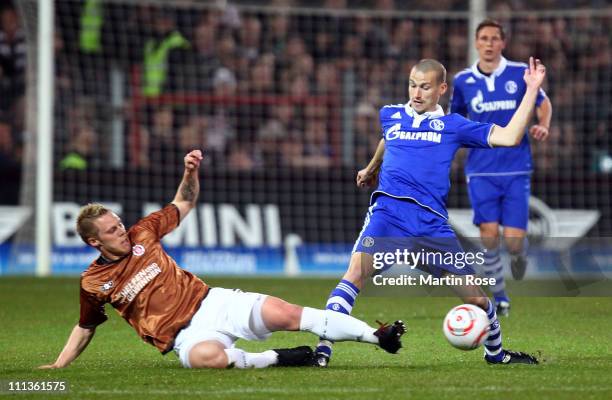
512	134
189	188
368	175
77	342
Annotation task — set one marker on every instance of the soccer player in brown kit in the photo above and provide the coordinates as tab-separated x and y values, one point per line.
174	310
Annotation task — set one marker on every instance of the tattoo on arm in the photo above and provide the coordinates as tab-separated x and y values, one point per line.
189	188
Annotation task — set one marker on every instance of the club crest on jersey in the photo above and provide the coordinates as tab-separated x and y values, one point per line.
138	250
511	87
436	124
107	286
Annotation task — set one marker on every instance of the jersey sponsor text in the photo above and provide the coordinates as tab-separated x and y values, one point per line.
138	282
480	106
394	133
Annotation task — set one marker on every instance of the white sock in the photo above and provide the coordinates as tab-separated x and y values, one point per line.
241	359
338	327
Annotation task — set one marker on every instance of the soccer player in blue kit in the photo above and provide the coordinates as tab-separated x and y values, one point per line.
498	180
412	164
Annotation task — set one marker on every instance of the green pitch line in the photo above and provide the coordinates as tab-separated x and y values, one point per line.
574	336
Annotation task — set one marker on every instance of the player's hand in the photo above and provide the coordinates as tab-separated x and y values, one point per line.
192	160
535	74
539	132
366	178
49	366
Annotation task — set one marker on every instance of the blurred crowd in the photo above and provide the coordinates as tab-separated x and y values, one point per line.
12	104
276	87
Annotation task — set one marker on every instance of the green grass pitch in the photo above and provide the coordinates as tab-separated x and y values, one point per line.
574	336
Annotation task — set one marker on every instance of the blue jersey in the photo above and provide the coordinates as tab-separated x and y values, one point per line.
493	99
419	150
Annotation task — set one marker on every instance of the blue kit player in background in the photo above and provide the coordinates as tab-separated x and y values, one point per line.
412	165
499	180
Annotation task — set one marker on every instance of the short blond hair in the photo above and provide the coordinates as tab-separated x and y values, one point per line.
429	64
85	221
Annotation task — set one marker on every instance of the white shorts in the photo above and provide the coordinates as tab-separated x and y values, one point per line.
225	315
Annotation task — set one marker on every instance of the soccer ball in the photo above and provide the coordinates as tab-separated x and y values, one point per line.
466	327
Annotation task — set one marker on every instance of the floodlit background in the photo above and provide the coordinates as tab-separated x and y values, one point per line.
101	102
283	98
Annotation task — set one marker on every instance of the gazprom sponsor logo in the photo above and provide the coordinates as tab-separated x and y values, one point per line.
395	133
480	106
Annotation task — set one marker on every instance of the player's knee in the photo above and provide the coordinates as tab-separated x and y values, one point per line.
205	355
482	302
292	316
489	233
514	245
514	239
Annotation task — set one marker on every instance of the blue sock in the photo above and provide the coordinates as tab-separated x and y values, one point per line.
493	268
341	299
493	345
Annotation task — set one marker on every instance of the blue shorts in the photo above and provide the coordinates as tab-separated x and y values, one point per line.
502	199
395	224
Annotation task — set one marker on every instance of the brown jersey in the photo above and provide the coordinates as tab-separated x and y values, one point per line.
148	289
